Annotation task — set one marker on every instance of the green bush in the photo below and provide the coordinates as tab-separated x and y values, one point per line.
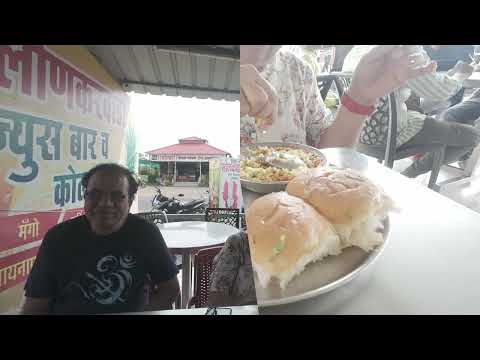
151	179
143	170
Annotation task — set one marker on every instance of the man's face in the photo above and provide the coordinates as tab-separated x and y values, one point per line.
106	202
258	55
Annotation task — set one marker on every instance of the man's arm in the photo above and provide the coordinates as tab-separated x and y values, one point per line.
40	287
164	295
162	271
34	306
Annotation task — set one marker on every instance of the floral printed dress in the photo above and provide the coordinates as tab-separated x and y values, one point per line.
233	272
302	116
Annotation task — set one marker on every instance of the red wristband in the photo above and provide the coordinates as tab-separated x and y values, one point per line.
355	107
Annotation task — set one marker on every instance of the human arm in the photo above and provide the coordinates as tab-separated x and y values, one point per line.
40	287
380	71
163	273
34	306
258	98
438	87
322	132
163	295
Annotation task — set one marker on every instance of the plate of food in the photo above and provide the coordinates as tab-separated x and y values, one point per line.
328	226
268	167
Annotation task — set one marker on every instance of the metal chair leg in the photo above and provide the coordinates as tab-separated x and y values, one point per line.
437	164
178	302
389	163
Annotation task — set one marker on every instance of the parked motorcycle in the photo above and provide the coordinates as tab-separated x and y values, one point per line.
159	200
175	206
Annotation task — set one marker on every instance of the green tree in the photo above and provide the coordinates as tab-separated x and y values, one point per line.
131	146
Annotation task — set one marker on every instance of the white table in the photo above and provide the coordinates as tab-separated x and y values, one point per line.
236	310
431	263
473	81
185	237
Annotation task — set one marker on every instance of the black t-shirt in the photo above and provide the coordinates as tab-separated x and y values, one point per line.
85	273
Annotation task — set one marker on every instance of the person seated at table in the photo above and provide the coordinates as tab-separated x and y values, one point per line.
280	99
466	112
415	128
99	262
232	281
450	59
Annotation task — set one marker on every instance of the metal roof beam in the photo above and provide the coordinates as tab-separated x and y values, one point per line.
126	84
203	50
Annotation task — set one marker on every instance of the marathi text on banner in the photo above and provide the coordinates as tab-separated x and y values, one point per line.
19	230
14	269
82	94
224	183
20	129
55	122
68	188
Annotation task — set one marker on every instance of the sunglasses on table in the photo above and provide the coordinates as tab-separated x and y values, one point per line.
218	311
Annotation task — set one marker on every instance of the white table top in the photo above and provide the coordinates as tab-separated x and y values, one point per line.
195	234
473	81
431	264
236	310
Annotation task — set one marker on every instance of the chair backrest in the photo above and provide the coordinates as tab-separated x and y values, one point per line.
378	137
223	215
155	217
458	97
325	81
203	265
341	52
391	145
243	222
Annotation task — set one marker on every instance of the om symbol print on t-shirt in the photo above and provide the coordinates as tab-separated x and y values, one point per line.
111	282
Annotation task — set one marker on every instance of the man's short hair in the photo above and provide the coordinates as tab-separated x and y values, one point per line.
114	169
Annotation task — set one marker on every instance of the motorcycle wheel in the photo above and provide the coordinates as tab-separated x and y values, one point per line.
200	210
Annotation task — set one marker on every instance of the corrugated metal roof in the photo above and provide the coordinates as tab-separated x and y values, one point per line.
202	71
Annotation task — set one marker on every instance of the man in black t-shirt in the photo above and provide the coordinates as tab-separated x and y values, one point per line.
100	262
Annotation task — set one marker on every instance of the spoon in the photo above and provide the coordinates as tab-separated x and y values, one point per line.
285	161
262	124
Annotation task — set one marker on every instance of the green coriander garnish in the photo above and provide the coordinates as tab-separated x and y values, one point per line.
279	246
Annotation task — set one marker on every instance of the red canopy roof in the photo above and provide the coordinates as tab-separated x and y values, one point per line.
189	146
